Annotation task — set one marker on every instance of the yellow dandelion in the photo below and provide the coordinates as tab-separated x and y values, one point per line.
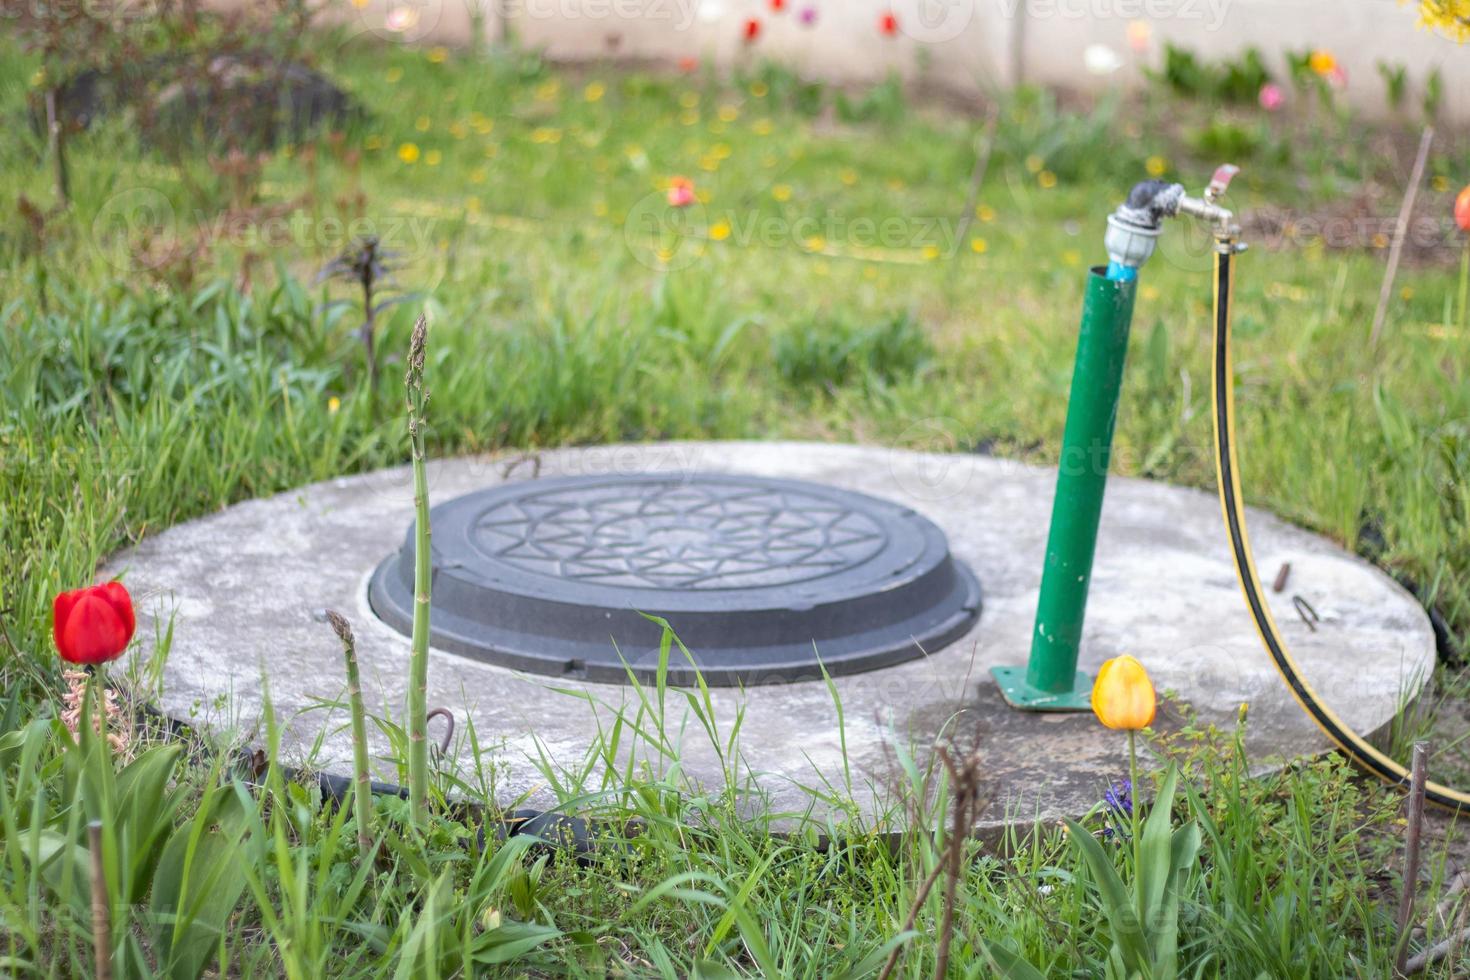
719	231
720	150
1149	292
759	90
930	252
1072	257
545	134
985	213
492	150
433	158
716	127
408	152
423	124
1034	164
1380	240
1047	180
781	192
1156	166
594	91
729	113
333	404
482	125
709	163
458	130
689	100
814	243
689	117
848	176
979	246
393	75
599	208
761	127
438	55
548	90
1407	293
479	175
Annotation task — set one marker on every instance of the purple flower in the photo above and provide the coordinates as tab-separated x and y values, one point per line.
808	15
1119	799
1119	802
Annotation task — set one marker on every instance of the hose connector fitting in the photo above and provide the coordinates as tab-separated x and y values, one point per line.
1134	228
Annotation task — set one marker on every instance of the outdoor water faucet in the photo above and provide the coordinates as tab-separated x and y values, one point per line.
1134	228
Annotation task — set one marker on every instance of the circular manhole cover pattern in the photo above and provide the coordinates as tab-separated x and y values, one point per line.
712	534
764	581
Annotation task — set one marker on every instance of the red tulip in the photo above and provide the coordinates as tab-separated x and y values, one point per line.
777	6
93	625
1462	209
888	25
752	30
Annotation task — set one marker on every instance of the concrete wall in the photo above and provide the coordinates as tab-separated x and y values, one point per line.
967	45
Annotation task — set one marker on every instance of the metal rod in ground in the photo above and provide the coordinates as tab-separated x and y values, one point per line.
1400	228
1417	777
1050	681
101	916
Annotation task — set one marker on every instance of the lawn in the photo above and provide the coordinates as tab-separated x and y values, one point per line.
166	349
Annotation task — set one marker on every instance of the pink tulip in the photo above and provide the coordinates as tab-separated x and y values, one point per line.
681	192
1271	97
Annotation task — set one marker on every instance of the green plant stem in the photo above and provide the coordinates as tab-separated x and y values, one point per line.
1465	284
418	669
362	787
1133	820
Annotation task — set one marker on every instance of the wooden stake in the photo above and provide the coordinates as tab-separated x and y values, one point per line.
56	144
101	918
1405	211
1417	778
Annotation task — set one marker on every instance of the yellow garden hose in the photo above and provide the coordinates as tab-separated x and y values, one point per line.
1227	470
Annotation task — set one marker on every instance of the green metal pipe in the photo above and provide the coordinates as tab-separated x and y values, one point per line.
1050	680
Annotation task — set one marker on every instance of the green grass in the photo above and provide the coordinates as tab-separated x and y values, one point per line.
133	398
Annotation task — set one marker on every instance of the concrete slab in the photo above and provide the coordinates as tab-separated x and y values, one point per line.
245	589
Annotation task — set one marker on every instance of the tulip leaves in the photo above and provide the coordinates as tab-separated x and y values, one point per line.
198	883
1144	922
1145	925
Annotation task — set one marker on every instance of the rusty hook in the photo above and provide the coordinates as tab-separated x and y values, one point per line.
448	717
1306	612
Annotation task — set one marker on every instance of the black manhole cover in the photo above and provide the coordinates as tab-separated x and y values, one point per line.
763	580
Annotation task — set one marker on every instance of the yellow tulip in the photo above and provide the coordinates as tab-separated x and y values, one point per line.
1123	696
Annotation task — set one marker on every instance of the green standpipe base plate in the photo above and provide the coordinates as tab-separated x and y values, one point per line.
1019	694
